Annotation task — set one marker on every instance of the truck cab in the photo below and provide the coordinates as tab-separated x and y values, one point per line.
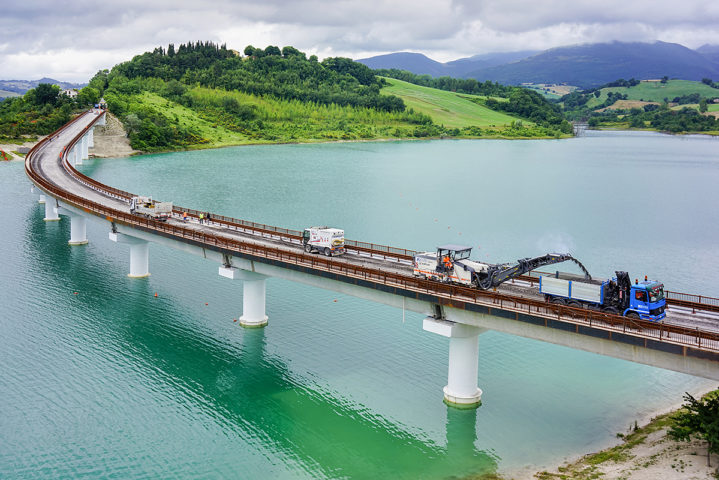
647	300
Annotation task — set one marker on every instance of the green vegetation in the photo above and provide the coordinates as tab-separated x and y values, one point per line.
662	92
285	74
525	104
677	106
213	120
458	85
41	110
698	418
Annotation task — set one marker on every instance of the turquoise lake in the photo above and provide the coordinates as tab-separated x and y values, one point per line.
113	382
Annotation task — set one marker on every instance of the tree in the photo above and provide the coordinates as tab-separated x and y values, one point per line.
703	105
698	418
665	79
45	94
292	52
273	50
707	81
88	96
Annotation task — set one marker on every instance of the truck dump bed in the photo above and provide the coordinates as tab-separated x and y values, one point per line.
585	290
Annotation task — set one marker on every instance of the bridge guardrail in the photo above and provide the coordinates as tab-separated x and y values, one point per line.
447	294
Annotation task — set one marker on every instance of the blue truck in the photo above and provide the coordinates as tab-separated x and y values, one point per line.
618	295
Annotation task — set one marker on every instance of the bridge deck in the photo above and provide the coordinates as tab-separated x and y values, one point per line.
377	266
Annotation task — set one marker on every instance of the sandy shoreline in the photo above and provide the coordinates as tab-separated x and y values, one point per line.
658	457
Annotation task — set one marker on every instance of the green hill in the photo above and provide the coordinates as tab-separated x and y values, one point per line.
655	91
447	108
212	121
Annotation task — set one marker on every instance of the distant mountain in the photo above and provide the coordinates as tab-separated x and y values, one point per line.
420	64
595	64
22	86
414	62
463	66
710	51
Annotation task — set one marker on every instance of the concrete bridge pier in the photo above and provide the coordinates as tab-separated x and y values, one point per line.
76	154
51	210
83	147
91	137
139	254
78	226
461	390
253	295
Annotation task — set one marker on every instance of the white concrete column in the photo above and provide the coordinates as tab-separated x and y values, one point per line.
91	138
76	153
42	198
78	230
78	226
139	254
253	295
461	390
50	210
83	147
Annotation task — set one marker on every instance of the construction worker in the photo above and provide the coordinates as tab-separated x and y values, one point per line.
447	262
184	216
202	217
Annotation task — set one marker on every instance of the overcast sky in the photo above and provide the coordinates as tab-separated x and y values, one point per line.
71	40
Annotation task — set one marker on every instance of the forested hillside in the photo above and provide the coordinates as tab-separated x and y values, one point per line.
41	110
214	95
201	94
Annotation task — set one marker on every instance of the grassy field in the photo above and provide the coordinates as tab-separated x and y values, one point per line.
275	120
217	135
446	108
657	91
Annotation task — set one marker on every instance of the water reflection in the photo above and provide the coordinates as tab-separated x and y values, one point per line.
239	387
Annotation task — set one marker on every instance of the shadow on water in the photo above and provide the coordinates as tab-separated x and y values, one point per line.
237	384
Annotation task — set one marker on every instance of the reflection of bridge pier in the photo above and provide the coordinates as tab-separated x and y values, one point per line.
461	432
242	390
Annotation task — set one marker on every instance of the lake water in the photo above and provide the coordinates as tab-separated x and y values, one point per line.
112	381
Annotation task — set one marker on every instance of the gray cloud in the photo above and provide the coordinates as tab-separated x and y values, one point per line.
70	40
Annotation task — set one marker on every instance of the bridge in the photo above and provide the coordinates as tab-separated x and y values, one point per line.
686	341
